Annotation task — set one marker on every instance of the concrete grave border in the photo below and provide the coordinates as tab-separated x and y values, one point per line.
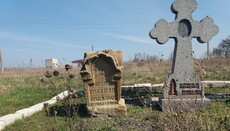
20	114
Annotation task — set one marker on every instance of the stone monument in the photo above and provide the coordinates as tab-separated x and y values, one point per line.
101	73
183	88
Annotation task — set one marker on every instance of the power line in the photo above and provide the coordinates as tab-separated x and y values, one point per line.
71	23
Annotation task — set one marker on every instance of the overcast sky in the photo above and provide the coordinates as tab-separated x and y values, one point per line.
65	29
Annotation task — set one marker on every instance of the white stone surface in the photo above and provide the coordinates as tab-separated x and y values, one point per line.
126	87
2	125
9	119
155	99
50	102
38	107
143	85
61	95
157	85
26	112
216	82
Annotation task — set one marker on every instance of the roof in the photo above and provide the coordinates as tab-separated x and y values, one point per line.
78	61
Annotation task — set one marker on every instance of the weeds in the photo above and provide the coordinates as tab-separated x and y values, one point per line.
54	81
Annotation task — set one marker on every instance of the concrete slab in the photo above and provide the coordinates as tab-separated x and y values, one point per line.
2	125
9	119
38	107
24	112
184	104
50	102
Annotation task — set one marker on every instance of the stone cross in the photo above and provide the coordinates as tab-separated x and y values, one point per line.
182	30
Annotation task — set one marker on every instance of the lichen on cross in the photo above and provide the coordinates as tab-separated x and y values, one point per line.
182	30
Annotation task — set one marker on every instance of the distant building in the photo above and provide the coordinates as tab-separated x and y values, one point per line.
78	63
51	63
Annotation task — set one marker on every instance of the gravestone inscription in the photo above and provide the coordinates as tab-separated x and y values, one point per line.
182	83
101	73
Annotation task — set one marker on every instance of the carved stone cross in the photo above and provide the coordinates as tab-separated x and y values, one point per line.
183	29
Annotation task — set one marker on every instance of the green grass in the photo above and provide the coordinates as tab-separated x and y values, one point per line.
22	97
216	117
23	92
218	90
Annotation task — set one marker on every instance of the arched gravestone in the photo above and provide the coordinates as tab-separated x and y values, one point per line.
183	85
101	73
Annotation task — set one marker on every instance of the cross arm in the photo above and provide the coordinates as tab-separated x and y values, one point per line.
163	31
205	30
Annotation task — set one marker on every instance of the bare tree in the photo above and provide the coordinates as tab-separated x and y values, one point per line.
223	49
217	52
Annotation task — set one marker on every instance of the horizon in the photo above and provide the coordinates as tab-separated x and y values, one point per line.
65	30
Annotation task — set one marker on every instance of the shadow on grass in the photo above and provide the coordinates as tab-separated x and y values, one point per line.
74	110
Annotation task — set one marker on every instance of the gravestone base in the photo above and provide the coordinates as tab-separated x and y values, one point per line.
184	104
109	110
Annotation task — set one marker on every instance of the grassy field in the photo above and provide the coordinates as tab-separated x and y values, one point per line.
21	88
139	118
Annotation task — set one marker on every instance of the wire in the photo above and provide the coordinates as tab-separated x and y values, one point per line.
69	23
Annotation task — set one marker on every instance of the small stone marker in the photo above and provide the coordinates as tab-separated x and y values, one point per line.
101	73
183	86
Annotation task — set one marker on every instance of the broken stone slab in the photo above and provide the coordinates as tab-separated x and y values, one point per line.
79	93
9	119
153	101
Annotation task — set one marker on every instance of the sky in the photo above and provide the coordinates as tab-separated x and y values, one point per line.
65	29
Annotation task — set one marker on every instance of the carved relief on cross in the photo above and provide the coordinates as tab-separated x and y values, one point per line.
182	30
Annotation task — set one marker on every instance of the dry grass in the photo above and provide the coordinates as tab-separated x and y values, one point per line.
29	77
157	71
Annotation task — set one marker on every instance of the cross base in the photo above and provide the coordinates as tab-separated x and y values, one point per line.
109	110
184	104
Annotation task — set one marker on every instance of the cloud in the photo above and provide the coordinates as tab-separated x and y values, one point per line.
132	38
33	40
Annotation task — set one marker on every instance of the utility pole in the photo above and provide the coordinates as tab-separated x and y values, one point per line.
2	69
30	65
208	50
92	47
